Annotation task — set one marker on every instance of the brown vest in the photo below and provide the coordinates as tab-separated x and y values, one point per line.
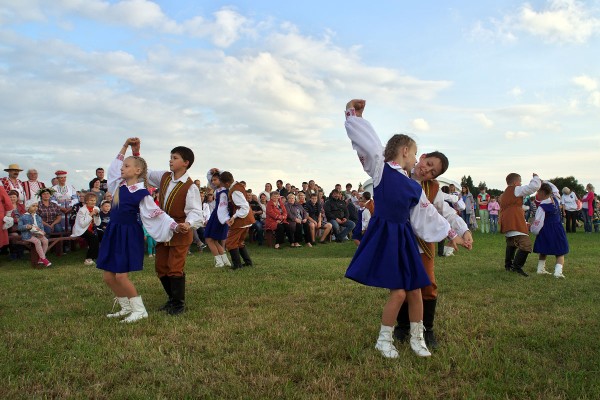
512	216
239	222
174	205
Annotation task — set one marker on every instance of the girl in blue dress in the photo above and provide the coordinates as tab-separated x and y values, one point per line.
388	254
551	237
216	227
122	249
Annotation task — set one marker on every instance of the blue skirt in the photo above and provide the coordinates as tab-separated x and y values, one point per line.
552	240
215	230
122	248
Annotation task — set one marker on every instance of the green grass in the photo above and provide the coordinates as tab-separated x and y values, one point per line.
294	327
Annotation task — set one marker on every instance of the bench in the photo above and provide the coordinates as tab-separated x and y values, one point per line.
54	239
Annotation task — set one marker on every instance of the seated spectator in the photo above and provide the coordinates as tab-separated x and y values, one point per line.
30	226
108	196
257	227
315	215
104	218
65	196
86	221
310	233
369	202
18	209
12	181
297	218
76	207
97	191
352	211
364	216
337	215
50	212
276	220
31	186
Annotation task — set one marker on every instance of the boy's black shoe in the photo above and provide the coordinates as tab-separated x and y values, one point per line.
401	334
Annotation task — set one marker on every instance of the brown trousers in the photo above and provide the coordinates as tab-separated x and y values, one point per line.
235	238
521	242
170	260
429	292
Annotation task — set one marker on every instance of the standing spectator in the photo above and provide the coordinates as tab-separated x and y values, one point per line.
348	192
32	185
312	188
49	212
283	192
369	202
570	212
96	184
364	216
587	207
493	208
469	201
100	177
337	215
65	196
76	207
276	218
12	181
104	218
268	188
482	203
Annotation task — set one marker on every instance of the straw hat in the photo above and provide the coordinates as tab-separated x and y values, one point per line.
13	167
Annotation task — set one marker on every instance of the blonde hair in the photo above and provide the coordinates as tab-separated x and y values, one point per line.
393	146
142	177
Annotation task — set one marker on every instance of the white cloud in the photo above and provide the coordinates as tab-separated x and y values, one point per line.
484	120
516	91
595	99
512	135
586	82
420	124
561	21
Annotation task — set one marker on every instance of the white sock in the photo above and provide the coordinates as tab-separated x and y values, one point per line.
541	264
558	269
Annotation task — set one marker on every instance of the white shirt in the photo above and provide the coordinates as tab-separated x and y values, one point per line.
193	205
84	219
569	201
425	220
522	191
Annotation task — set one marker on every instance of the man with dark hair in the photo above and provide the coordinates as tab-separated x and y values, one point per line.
283	192
100	176
336	213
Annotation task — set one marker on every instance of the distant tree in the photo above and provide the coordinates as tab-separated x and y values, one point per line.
569	182
468	182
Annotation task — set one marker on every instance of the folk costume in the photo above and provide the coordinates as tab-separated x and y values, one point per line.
364	216
17	185
122	249
551	237
6	208
180	199
427	249
243	220
31	188
513	225
388	255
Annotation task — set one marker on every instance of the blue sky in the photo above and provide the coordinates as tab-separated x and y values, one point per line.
259	87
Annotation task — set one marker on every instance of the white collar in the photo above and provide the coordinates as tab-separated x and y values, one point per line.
397	167
182	178
133	188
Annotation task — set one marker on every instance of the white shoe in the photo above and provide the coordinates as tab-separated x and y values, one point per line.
125	308
417	342
89	261
219	262
541	269
226	261
138	311
558	271
385	342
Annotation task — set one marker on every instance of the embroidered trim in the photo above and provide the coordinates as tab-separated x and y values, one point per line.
452	234
351	112
173	226
156	213
120	157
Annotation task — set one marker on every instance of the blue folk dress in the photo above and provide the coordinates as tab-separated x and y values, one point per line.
214	228
551	239
388	255
122	247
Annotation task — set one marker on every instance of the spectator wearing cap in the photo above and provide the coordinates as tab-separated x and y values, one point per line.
65	195
32	185
100	177
12	181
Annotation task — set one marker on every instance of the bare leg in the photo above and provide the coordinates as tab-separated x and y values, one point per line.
415	305
392	307
110	278
125	285
560	260
215	247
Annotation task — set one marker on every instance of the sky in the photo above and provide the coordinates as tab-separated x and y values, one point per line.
259	87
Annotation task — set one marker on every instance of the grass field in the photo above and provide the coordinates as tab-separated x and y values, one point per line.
294	327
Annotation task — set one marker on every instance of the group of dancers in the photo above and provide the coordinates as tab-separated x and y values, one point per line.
398	248
396	252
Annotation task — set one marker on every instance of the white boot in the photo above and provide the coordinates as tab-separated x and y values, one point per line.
542	267
385	342
226	261
219	262
417	342
558	271
125	308
138	311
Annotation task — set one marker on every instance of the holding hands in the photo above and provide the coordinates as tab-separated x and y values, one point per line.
358	105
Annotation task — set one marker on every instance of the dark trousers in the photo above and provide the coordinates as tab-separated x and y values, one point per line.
294	232
571	221
280	233
93	243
